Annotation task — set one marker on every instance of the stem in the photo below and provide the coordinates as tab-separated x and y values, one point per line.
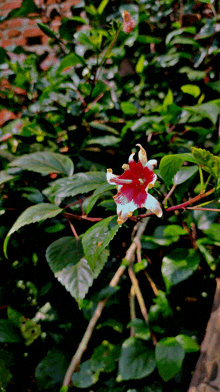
191	201
88	333
106	54
153	286
201	180
169	193
132	307
73	230
203	209
138	293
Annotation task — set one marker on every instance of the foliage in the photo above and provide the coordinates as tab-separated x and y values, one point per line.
157	86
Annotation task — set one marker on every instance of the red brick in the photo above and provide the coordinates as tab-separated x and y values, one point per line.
6	42
34	32
10	5
13	33
16	22
21	42
32	22
3	25
5	115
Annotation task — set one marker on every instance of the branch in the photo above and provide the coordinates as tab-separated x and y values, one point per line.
88	333
191	201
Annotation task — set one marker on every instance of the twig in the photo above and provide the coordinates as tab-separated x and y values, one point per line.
68	215
203	209
138	293
191	201
169	193
132	306
153	286
73	230
93	103
88	333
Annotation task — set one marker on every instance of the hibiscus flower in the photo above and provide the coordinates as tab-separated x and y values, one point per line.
133	186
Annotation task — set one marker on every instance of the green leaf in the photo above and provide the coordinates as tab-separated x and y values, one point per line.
8	332
104	141
4	176
191	89
209	110
213	232
184	174
169	357
86	376
102	6
46	30
45	163
171	164
69	61
33	214
128	108
78	183
64	251
189	345
207	161
163	236
27	7
66	259
98	192
141	329
178	266
97	238
51	370
136	360
168	100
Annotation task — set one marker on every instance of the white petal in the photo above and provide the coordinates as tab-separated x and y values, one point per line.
153	205
131	157
124	211
151	163
110	176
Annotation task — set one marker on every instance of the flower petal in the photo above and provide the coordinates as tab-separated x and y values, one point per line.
142	155
151	163
124	211
153	205
113	179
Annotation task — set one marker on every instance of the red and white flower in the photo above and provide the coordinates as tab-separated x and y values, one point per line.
133	186
128	23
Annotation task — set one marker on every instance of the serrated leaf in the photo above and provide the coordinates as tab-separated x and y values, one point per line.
179	265
189	345
8	332
98	192
209	110
33	214
45	163
65	258
51	370
169	356
46	30
97	238
69	61
171	164
86	376
207	161
184	174
104	141
78	183
64	251
136	360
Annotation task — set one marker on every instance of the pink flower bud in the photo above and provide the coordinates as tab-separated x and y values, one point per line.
128	23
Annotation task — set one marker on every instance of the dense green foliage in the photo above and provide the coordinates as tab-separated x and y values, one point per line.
109	90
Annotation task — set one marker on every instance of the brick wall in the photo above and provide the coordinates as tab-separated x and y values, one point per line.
25	32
